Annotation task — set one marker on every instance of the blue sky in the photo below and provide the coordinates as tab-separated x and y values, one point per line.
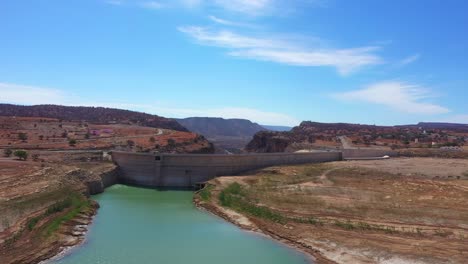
275	62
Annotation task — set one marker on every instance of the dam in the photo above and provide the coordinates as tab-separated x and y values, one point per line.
187	170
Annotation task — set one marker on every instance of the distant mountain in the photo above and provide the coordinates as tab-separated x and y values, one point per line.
434	125
228	134
213	126
91	114
277	128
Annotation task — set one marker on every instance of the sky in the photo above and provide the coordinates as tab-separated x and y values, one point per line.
275	62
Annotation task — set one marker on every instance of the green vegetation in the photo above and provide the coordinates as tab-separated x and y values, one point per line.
22	136
78	205
205	193
171	142
72	142
32	222
21	154
233	197
75	202
7	152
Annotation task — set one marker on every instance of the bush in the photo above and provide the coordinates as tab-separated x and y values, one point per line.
23	136
7	152
21	154
72	142
171	142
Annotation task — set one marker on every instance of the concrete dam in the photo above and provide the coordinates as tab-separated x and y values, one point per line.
187	170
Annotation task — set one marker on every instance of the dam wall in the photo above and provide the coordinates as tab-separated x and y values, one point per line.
367	153
185	170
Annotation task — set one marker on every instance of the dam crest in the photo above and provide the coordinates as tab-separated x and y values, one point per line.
188	170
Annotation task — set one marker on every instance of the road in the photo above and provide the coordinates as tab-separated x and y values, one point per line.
346	142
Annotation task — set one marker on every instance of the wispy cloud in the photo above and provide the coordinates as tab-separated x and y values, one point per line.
252	7
285	51
403	97
255	115
409	59
461	119
230	23
152	5
32	95
23	94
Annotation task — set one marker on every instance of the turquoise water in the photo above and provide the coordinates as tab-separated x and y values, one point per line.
136	225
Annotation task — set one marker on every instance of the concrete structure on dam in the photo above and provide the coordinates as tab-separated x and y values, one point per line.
186	170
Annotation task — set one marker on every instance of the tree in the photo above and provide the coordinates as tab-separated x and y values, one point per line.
171	142
21	154
7	152
23	136
72	142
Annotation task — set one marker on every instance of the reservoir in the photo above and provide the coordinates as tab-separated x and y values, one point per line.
137	225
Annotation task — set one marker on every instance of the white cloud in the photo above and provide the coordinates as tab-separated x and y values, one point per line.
230	23
462	119
400	96
252	7
32	95
152	5
254	115
22	94
410	59
285	51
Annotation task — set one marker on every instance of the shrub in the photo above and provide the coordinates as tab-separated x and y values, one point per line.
21	154
205	193
72	142
171	142
7	152
23	136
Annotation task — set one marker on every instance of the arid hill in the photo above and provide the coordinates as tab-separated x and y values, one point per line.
314	135
97	115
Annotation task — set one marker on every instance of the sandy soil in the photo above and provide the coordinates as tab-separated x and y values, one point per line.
28	190
387	211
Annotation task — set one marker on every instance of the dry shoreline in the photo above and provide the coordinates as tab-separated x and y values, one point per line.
313	255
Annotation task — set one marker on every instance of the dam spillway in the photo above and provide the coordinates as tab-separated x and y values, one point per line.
187	170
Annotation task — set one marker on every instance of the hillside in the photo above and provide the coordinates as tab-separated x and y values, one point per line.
212	126
227	134
98	115
277	128
314	135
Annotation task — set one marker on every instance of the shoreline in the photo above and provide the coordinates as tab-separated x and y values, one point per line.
313	255
66	250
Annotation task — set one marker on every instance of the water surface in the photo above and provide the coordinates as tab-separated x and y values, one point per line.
136	225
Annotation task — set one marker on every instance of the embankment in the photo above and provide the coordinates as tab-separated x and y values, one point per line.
51	210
